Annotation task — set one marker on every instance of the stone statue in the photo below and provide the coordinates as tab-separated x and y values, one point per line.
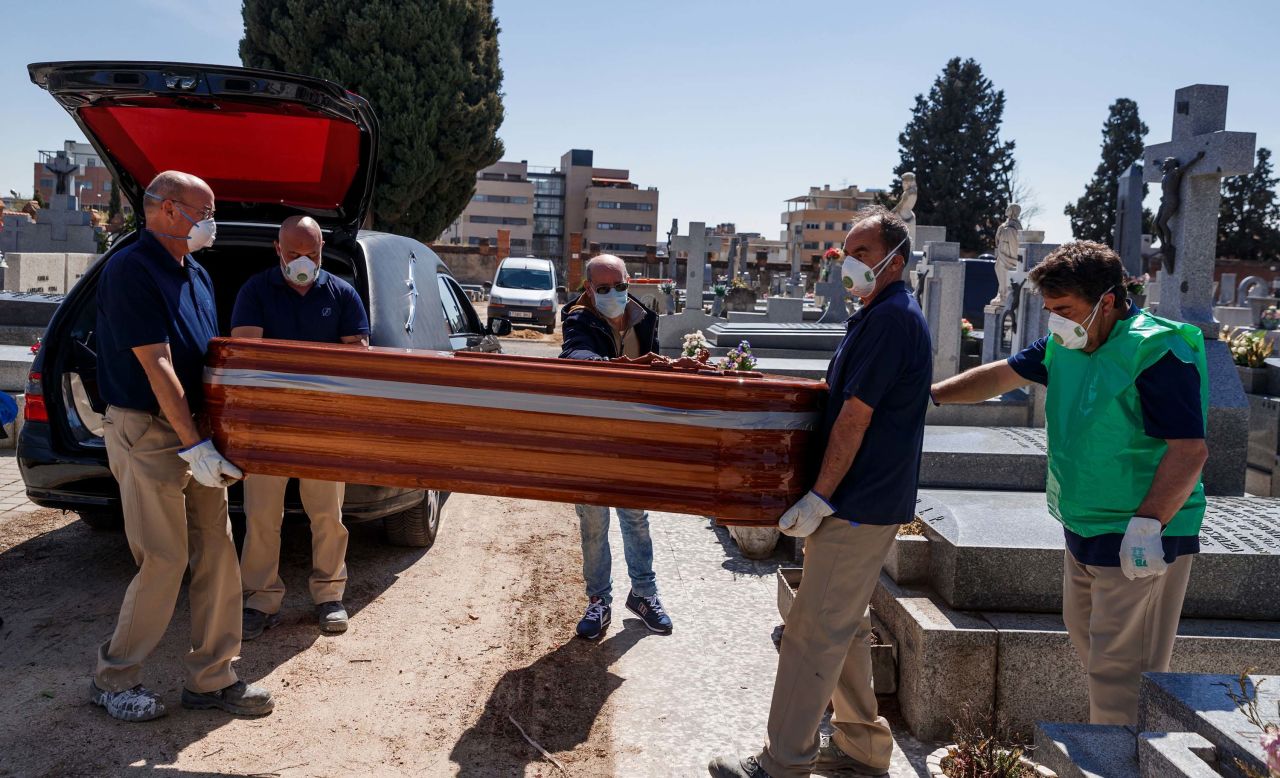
906	203
62	168
1007	261
1170	202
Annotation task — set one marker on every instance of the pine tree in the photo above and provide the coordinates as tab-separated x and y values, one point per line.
952	144
1093	216
1249	218
430	70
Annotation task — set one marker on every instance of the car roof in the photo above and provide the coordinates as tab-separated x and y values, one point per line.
527	262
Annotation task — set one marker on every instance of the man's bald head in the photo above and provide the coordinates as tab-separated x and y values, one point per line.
300	236
603	265
185	188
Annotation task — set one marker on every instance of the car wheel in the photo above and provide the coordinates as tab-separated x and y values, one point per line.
417	526
102	521
550	329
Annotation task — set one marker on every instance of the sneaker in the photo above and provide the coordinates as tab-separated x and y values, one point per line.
136	704
733	767
831	758
596	620
256	622
239	698
650	611
332	617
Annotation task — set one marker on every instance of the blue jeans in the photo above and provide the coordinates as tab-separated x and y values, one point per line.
637	546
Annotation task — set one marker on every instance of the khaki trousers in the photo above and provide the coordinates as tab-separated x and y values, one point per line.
1121	629
825	656
260	560
171	521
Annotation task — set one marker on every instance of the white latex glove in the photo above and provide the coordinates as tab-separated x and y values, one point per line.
803	518
210	467
1141	552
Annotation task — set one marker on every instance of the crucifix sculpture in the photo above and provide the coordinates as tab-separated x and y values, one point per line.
62	167
1171	173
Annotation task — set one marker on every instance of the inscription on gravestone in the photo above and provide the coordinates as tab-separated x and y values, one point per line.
1239	525
1028	438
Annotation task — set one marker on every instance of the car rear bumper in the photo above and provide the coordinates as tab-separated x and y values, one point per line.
523	314
85	483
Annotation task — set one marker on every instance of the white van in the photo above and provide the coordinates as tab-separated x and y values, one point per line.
524	292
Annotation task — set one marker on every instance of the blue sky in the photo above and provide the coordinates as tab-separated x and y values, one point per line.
732	107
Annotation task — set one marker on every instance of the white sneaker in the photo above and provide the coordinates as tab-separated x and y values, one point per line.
136	704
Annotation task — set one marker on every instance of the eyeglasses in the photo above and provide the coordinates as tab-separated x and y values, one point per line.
206	213
621	286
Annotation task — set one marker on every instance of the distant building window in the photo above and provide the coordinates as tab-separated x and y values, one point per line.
799	229
106	186
547	225
46	183
492	198
624	248
624	206
624	226
811	245
831	225
517	221
846	226
548	206
87	186
519	242
812	226
491	177
829	245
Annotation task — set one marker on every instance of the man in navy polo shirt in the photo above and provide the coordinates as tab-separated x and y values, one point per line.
871	433
295	299
155	317
1125	400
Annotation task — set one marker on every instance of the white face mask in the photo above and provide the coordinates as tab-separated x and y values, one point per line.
612	304
1070	335
201	234
860	279
300	271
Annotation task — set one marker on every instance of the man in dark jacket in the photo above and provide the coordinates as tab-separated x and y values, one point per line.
606	323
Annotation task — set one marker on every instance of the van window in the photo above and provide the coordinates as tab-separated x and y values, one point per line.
524	278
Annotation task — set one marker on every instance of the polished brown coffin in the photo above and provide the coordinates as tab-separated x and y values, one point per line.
735	447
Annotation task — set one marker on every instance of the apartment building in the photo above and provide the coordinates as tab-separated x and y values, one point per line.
91	183
602	204
819	220
503	200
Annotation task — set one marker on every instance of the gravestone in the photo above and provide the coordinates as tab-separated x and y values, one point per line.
944	305
60	228
784	310
673	328
1207	152
983	458
1176	702
1127	237
1227	289
926	234
836	310
978	537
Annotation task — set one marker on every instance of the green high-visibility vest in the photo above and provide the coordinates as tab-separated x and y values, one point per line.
1101	461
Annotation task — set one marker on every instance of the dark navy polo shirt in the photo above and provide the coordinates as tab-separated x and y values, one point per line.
886	361
146	297
328	312
1169	392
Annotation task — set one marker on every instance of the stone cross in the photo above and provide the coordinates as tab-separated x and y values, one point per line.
1127	238
694	246
1199	122
63	168
943	305
833	291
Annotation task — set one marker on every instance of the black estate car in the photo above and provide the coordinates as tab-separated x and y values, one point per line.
270	145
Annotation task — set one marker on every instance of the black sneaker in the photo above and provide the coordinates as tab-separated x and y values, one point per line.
256	622
831	758
733	767
332	617
239	698
596	620
136	704
650	611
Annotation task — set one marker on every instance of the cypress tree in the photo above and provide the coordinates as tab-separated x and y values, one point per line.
1093	216
430	70
952	144
1249	217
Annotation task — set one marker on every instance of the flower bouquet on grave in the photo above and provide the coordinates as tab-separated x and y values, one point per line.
1249	348
1136	286
720	289
1246	701
966	328
696	347
833	255
739	358
1270	318
667	287
35	347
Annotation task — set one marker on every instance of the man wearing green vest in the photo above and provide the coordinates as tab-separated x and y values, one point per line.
1125	406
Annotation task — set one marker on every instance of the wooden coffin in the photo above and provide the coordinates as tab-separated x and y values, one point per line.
732	447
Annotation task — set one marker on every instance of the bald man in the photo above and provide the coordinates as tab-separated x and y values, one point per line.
156	315
296	300
605	323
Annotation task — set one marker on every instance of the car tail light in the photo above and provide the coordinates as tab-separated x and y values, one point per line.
34	409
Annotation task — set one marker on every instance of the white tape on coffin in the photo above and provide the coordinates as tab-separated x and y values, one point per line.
515	401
